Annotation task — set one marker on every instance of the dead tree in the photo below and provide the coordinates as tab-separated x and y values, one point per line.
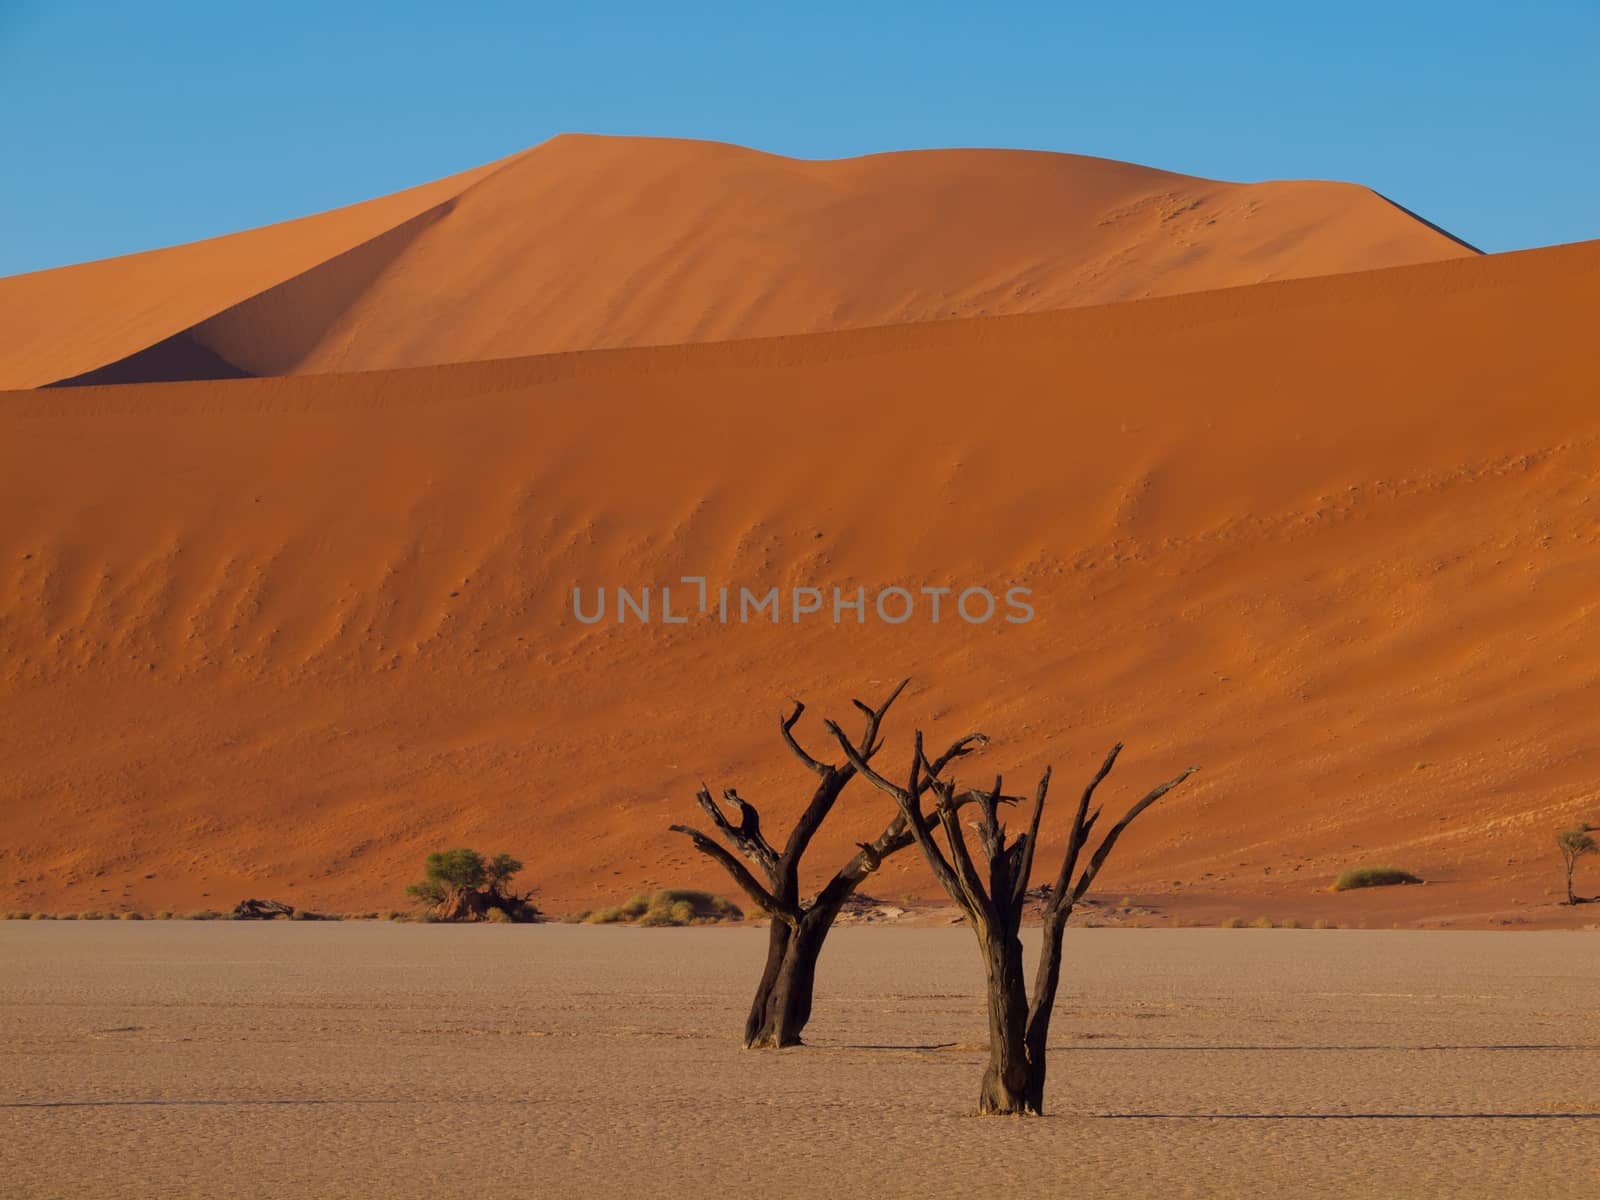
261	910
1575	843
782	1003
992	893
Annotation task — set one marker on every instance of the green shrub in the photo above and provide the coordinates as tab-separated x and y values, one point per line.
462	885
1365	877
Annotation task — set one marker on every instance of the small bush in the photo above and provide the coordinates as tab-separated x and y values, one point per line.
1235	923
204	914
669	906
1261	923
1365	877
43	917
1323	923
164	915
497	916
463	885
1291	923
129	916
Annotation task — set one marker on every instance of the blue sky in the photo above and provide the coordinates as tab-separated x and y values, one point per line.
132	126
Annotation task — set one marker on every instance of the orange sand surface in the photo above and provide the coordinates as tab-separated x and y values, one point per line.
361	1060
585	242
1332	539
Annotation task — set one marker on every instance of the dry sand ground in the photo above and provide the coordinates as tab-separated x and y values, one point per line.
366	1060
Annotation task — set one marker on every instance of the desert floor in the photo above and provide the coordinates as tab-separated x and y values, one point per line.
376	1060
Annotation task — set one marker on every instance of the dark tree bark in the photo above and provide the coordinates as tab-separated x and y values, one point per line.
782	1003
994	898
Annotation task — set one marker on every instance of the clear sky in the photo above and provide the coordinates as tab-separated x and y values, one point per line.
128	126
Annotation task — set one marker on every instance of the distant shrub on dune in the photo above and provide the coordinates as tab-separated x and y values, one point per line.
1291	923
129	916
1574	843
43	917
1235	923
1261	923
1323	923
164	915
669	906
1365	877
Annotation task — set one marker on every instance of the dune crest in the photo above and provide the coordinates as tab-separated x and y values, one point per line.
589	242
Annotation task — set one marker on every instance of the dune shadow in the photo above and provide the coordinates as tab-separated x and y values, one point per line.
1076	1047
1425	1116
259	1103
1081	1047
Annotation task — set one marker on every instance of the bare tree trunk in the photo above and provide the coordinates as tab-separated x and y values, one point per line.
782	1004
1008	1086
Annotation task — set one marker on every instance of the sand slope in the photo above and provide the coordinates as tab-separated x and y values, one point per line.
585	242
1333	539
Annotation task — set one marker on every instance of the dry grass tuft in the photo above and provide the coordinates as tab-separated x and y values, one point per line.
669	906
1365	877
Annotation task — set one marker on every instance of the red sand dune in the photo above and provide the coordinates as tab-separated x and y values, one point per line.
586	242
1332	539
